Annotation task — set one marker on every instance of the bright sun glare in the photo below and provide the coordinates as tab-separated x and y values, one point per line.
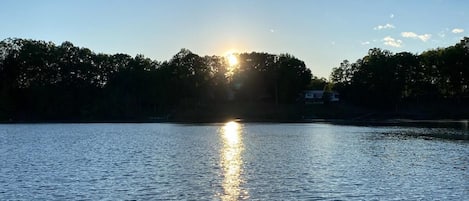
232	59
231	132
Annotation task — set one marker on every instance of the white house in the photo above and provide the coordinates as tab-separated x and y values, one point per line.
313	94
316	96
335	97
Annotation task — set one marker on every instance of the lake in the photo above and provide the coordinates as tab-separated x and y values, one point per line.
232	161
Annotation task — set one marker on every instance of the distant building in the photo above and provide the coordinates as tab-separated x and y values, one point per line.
313	94
335	97
318	96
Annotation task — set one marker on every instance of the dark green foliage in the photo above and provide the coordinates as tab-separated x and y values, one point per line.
41	81
270	78
385	80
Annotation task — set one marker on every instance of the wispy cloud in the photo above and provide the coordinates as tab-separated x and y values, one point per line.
391	16
365	43
389	41
457	30
386	26
423	37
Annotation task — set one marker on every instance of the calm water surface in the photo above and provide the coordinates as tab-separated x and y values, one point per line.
232	161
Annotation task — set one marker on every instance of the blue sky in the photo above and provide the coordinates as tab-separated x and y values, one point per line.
321	33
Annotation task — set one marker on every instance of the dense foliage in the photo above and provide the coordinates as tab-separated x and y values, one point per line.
385	80
43	81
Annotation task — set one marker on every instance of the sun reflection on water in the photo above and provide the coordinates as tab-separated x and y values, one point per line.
231	162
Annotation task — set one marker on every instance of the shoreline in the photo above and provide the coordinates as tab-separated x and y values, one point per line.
252	120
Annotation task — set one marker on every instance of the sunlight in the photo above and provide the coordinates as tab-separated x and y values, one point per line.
231	132
232	59
233	63
231	162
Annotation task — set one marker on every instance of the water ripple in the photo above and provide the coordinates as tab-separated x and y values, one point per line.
230	162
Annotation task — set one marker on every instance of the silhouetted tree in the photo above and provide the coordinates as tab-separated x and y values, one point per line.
382	79
44	81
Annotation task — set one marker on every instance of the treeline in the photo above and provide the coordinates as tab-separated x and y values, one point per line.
384	80
42	81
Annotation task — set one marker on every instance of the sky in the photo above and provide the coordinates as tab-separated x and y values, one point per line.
322	33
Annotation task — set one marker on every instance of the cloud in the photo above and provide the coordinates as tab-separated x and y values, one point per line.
391	16
365	43
389	41
386	26
423	37
457	30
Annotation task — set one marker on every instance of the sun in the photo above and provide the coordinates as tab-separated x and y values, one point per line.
232	59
